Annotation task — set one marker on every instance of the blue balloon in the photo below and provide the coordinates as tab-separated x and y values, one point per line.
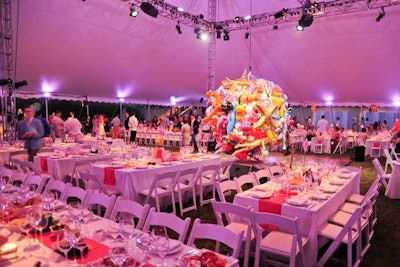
232	120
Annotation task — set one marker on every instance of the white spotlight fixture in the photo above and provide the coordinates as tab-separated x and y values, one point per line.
204	36
247	17
133	12
46	94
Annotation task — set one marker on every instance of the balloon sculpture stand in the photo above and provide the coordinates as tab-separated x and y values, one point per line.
248	116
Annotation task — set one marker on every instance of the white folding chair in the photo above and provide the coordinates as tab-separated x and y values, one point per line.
206	182
225	170
127	206
275	170
319	146
227	187
75	193
393	152
375	150
218	233
262	176
168	220
283	242
347	234
33	169
186	189
92	182
238	220
100	202
55	186
245	180
389	160
36	181
163	186
18	177
384	177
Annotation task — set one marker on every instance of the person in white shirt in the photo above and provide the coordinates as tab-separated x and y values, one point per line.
322	125
116	127
133	125
73	127
57	126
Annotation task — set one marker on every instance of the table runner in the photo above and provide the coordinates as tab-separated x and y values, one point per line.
43	164
109	176
96	250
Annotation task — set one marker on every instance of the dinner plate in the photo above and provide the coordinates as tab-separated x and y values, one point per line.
328	189
336	182
297	201
261	194
229	261
166	163
142	167
175	247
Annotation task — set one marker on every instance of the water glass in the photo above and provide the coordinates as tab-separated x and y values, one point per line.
160	242
143	242
63	244
118	252
127	228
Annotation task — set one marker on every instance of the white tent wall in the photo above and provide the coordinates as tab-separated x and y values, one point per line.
94	49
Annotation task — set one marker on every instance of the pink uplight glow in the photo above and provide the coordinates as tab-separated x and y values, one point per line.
123	92
49	87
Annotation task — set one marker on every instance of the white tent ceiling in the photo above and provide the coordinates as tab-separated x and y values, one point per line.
94	48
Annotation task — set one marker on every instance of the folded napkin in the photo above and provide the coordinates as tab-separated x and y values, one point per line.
297	200
7	248
328	189
260	194
109	176
43	163
336	181
174	244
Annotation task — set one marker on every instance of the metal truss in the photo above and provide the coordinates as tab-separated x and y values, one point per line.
286	15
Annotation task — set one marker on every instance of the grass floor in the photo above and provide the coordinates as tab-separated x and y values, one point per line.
386	240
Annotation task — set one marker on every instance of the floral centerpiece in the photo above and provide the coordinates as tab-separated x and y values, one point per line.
248	116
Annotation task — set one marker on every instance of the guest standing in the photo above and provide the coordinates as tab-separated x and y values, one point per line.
57	126
102	127
116	126
322	125
88	125
185	130
133	124
31	130
194	127
73	127
46	125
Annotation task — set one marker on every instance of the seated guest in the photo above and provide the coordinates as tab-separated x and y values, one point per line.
362	136
397	148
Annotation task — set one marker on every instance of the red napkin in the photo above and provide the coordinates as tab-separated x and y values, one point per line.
271	205
376	145
96	250
43	164
109	176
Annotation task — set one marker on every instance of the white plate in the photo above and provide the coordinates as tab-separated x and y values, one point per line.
261	194
166	163
297	201
175	247
142	167
329	189
229	260
187	160
336	182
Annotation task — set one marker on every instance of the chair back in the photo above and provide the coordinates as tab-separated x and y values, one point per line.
284	224
275	170
218	233
73	192
245	180
210	172
189	175
99	201
379	171
90	181
18	177
37	181
55	186
262	176
169	220
225	170
231	212
226	187
131	207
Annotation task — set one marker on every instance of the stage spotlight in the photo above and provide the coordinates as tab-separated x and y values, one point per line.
218	34
305	21
281	13
149	9
178	28
381	15
226	35
20	84
5	81
133	12
198	33
246	36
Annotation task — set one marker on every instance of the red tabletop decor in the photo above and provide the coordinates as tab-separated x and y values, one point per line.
43	164
109	176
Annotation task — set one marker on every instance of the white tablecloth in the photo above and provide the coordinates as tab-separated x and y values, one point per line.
59	168
132	180
393	189
310	219
5	154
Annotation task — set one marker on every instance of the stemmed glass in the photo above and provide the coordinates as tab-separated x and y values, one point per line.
26	228
160	242
127	228
73	234
118	252
75	211
63	244
34	216
41	225
143	242
47	200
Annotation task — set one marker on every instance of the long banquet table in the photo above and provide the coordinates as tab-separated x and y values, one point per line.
310	217
97	239
130	180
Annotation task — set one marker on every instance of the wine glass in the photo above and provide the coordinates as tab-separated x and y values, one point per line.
63	244
75	211
26	228
143	242
118	252
41	225
73	234
160	242
47	200
127	228
34	216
